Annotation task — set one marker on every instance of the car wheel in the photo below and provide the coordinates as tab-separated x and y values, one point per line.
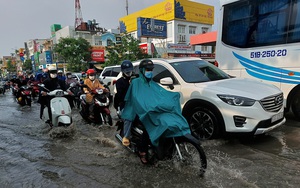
203	123
296	105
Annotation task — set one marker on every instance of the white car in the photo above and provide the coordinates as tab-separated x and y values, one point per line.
214	103
108	76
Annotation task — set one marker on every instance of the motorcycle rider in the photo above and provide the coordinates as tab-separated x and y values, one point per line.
69	81
157	108
51	84
92	84
20	82
122	86
60	75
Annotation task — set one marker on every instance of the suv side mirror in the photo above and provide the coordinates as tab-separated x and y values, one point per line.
167	81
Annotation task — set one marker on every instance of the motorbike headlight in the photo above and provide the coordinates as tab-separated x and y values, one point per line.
236	100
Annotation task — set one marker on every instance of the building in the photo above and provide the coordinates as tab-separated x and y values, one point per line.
184	18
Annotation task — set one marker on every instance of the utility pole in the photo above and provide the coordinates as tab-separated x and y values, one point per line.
127	7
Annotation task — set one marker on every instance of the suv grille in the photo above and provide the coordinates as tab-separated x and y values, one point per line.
272	103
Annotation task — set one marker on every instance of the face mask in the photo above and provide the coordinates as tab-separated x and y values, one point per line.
128	74
92	77
148	74
69	76
53	75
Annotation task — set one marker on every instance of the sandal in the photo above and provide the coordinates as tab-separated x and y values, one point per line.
125	141
143	157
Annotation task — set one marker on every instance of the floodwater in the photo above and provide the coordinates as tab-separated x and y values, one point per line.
32	156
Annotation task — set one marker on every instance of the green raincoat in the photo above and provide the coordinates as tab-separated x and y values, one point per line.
158	109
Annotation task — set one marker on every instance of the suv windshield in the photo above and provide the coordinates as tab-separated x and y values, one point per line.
196	71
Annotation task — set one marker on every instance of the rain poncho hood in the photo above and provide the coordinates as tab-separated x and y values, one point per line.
158	109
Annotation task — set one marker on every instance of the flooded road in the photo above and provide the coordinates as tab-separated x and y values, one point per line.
92	157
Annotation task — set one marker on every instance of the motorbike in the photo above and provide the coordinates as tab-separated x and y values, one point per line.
60	108
2	87
25	97
14	89
101	108
110	95
184	151
35	89
76	91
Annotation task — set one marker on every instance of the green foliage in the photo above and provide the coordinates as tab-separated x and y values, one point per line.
75	52
10	66
27	65
129	49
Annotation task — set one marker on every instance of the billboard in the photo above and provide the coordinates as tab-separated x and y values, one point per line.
170	10
148	27
98	55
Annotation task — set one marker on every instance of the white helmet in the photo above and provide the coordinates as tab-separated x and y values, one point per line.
59	71
52	69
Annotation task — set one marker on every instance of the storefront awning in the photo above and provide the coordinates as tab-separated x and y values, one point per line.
206	39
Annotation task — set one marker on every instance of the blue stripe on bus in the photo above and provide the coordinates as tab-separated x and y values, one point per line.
274	74
263	66
266	77
269	72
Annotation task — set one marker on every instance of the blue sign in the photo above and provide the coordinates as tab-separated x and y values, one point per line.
148	27
48	55
22	59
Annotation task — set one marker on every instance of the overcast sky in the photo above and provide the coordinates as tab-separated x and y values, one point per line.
22	20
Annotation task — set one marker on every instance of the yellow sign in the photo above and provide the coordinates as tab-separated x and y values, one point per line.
171	10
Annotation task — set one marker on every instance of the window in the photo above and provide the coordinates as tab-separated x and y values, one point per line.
160	72
204	48
258	23
181	38
107	72
294	32
181	28
204	30
115	71
192	30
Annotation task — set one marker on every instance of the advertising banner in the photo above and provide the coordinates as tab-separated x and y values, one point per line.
149	27
98	55
48	57
179	46
170	10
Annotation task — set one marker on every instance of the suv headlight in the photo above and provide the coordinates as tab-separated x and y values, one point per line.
236	100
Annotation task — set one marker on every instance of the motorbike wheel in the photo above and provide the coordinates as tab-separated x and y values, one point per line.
189	157
28	101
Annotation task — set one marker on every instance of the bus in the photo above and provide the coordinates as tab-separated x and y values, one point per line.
261	39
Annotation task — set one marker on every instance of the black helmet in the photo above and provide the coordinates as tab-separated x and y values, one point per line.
147	64
126	66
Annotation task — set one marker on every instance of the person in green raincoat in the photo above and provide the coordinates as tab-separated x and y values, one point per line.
157	108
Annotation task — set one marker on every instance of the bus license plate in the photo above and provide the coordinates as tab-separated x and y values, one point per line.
277	117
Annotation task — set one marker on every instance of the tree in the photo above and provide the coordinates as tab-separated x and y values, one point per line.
75	52
129	49
27	65
10	66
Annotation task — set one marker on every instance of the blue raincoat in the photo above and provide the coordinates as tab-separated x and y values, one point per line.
158	109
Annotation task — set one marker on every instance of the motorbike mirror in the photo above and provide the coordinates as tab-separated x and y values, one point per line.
41	85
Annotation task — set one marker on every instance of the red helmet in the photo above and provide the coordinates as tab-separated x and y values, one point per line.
90	71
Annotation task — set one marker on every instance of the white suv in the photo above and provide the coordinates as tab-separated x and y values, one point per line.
214	103
109	75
